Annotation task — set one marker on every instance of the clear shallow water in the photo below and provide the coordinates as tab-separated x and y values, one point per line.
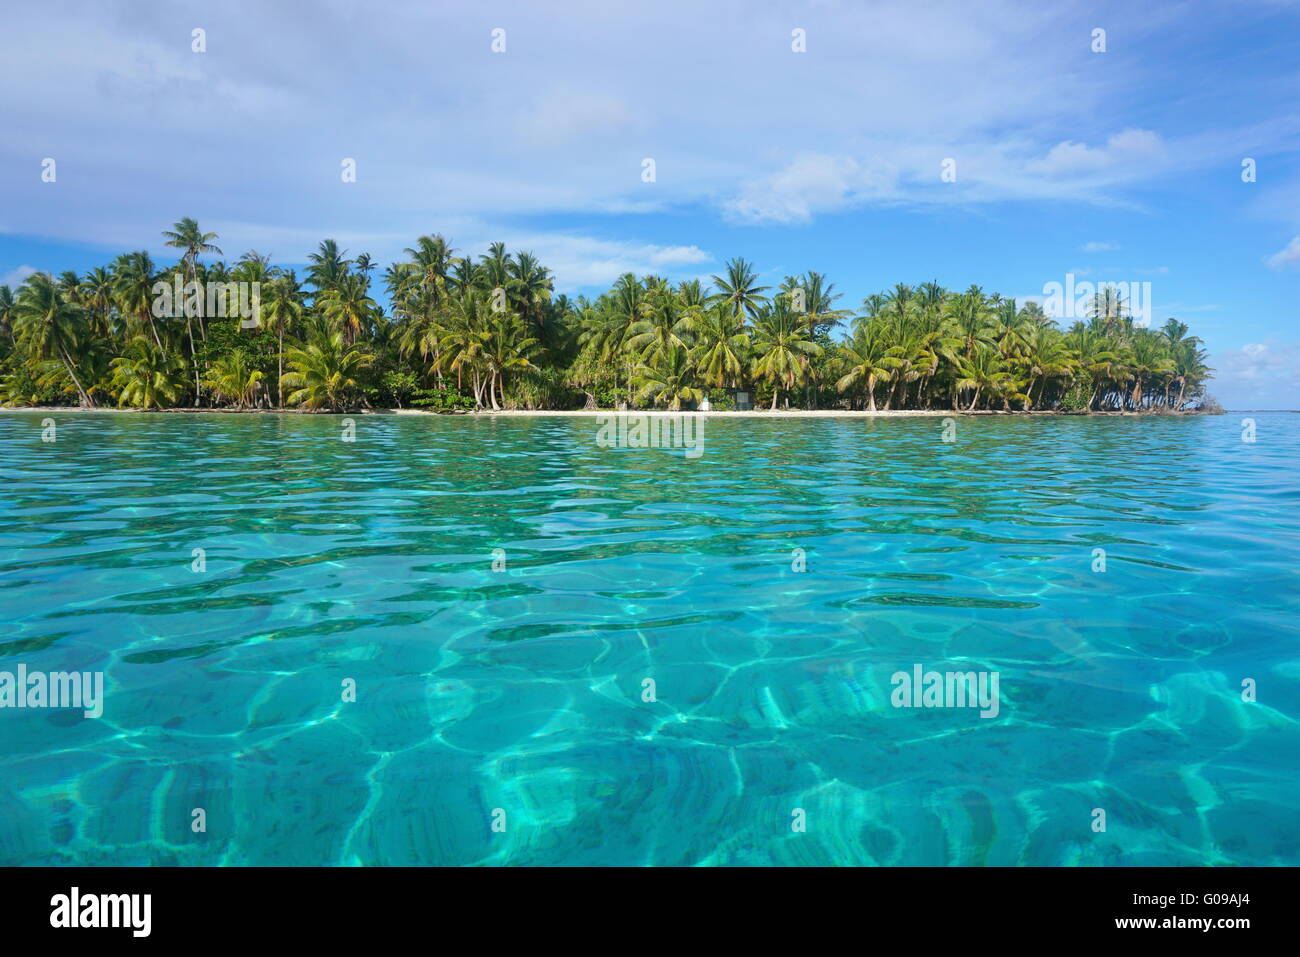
522	689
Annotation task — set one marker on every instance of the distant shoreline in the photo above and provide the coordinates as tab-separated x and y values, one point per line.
582	413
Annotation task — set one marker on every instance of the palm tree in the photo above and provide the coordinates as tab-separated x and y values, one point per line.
1148	360
667	379
1109	307
325	371
1045	357
531	287
968	313
97	294
782	349
7	313
186	235
133	282
723	347
283	309
432	257
984	371
233	380
49	326
146	377
505	348
1006	328
740	288
662	327
819	314
610	330
348	307
328	266
870	360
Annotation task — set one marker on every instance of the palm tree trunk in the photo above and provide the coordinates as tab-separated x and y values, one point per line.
86	400
871	393
279	375
154	329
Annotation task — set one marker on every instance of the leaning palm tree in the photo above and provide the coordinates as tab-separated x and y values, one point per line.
192	241
186	236
145	377
133	282
50	327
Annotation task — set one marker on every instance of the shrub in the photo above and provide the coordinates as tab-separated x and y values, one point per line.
443	399
1076	398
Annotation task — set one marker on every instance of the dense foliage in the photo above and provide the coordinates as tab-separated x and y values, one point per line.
464	334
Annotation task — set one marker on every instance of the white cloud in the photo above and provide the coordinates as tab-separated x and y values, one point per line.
586	263
1096	247
678	255
1288	257
810	183
1132	148
1258	375
15	277
253	131
443	130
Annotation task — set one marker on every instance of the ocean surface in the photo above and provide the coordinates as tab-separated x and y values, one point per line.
474	640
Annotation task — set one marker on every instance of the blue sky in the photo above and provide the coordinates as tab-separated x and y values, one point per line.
1118	166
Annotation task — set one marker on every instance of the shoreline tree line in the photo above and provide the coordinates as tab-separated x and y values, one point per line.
461	333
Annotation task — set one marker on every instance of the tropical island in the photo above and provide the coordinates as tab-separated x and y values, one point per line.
490	334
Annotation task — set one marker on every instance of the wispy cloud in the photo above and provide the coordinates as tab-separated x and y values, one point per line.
1288	257
1126	149
254	130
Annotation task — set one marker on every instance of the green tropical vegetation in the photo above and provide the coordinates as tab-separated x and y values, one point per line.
447	333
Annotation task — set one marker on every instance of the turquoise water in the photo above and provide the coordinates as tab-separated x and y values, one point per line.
516	695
